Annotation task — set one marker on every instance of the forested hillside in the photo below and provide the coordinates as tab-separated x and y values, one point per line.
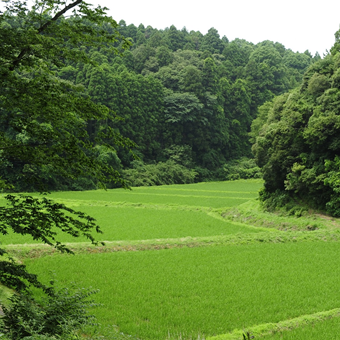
186	99
187	91
298	140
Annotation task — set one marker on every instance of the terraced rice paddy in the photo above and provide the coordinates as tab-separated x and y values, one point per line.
179	264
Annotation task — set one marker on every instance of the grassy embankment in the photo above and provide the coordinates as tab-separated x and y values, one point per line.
199	261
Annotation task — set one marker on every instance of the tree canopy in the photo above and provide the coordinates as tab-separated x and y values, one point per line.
298	140
45	120
224	81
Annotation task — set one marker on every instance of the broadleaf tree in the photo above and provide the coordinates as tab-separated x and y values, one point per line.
297	142
43	130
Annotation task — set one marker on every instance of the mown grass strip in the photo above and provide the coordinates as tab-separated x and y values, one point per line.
328	329
38	250
282	326
255	192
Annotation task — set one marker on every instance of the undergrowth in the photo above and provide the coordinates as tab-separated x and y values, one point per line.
252	213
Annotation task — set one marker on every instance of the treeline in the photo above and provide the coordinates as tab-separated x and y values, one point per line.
178	90
186	99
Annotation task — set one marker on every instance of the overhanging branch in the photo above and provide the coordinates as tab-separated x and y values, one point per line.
24	51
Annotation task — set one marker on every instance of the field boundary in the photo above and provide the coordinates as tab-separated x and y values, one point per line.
272	328
241	239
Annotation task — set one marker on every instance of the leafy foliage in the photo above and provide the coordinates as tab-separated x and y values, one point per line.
162	173
41	112
186	88
243	168
45	138
298	145
58	314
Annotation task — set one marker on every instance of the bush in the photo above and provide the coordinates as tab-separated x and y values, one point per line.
162	173
283	202
243	168
59	315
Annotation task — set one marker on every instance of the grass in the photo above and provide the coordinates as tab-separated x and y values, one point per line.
142	223
198	261
5	293
327	329
250	212
210	195
204	290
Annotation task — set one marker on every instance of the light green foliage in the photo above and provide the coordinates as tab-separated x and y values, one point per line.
162	173
242	168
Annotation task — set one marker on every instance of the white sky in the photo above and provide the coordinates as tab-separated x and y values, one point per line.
297	24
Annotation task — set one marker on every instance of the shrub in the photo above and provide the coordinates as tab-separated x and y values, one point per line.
242	168
162	173
60	314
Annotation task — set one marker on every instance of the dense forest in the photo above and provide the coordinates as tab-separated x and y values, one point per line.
186	100
183	107
186	97
297	140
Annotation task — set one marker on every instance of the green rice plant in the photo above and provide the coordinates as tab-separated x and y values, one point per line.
185	190
207	291
155	198
140	223
239	185
212	194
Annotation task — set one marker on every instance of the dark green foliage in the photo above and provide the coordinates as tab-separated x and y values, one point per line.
43	134
238	52
212	42
227	89
60	314
41	218
298	145
52	132
180	154
207	95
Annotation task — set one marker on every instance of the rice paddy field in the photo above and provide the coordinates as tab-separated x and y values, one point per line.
198	261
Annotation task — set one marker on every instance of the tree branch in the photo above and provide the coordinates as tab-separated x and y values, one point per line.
24	51
58	15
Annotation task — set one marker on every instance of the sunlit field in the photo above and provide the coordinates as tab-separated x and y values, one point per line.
228	279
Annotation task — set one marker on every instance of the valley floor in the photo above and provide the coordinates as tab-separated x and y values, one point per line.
198	261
